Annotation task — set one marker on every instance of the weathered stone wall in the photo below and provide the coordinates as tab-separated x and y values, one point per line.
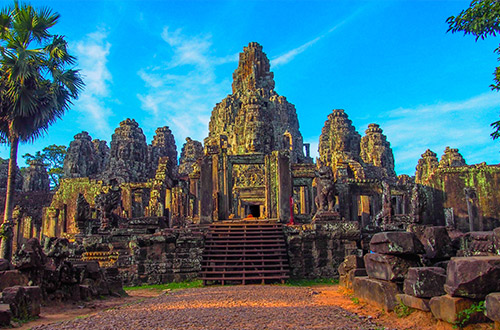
317	250
167	255
469	193
59	217
28	214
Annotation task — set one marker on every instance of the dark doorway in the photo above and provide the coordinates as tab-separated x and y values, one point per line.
255	211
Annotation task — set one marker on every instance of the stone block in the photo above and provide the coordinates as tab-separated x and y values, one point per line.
377	292
448	308
414	302
10	278
473	277
24	301
351	262
5	315
5	265
477	243
493	306
425	282
396	243
437	243
388	267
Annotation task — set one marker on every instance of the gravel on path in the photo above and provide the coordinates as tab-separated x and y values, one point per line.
256	307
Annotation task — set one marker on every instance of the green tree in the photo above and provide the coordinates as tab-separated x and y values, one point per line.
36	88
53	159
481	19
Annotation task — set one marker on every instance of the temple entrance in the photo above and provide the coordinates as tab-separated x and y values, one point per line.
254	211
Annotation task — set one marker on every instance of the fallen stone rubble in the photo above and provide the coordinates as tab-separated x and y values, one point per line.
35	278
433	269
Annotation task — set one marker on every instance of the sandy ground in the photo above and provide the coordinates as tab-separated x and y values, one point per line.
233	307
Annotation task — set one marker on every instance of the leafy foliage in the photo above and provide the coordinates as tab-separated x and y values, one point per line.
464	316
36	87
481	19
53	159
403	310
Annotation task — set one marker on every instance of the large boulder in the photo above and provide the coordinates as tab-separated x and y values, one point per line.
493	306
24	301
388	267
473	277
396	243
425	282
378	292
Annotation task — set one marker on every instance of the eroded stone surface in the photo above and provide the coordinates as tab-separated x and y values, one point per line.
163	145
254	118
492	304
426	166
451	158
191	152
425	282
414	302
376	151
35	177
388	267
447	308
378	292
396	243
85	157
128	154
473	277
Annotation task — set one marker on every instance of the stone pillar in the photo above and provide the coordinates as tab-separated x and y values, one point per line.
284	186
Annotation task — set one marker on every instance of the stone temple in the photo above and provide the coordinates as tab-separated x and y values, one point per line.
135	207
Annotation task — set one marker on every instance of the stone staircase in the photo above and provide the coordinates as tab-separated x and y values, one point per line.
245	252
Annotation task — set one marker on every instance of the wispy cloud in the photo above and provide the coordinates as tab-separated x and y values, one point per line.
92	53
464	124
291	54
182	92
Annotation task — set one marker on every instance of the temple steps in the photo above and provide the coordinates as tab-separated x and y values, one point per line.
245	252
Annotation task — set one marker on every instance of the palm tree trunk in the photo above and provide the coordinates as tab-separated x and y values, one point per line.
8	224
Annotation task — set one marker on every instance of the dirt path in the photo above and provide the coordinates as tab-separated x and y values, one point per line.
233	307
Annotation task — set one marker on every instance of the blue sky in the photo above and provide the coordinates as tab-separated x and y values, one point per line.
386	62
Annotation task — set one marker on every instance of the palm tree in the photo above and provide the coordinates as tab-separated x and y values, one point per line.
35	87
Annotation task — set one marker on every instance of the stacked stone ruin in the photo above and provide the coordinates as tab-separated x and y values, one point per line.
425	269
45	275
134	208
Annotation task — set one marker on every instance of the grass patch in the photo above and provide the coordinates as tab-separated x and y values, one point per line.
167	286
355	300
307	282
